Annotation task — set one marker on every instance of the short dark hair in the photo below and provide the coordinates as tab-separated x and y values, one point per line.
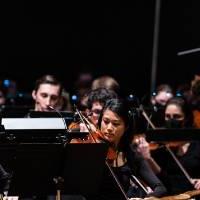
164	87
101	95
48	79
106	82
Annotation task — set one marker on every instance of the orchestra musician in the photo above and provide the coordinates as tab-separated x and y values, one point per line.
163	93
177	115
47	93
116	127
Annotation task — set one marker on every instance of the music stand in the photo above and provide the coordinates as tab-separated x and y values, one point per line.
13	111
173	134
36	165
7	155
83	168
68	116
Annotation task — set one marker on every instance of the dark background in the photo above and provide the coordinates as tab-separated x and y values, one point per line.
65	39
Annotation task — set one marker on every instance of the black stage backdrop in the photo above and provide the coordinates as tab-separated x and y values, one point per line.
53	37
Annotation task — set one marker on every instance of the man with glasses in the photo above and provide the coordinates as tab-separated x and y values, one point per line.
95	102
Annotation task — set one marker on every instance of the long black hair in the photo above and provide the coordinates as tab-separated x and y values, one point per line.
121	108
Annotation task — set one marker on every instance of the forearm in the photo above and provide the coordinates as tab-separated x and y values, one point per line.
154	166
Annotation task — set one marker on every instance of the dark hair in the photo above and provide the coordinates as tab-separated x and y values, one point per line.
164	87
101	95
48	79
120	107
106	82
184	106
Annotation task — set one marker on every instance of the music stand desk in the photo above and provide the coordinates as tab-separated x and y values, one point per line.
35	167
179	134
83	168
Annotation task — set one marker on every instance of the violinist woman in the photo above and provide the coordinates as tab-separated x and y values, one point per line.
115	125
177	115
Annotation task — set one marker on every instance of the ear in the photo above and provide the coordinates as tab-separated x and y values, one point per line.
34	94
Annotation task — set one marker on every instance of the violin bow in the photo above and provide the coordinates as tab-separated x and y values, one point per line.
83	120
168	148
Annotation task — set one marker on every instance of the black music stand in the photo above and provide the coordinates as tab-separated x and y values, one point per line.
83	168
12	111
68	116
7	155
173	134
2	128
36	166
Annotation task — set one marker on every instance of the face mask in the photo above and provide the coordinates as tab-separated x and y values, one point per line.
173	123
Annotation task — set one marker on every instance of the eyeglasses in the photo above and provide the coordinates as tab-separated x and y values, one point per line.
96	111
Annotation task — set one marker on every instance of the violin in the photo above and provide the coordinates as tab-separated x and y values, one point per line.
171	144
94	135
155	145
97	137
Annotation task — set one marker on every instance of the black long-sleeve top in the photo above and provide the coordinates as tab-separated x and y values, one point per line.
171	175
137	165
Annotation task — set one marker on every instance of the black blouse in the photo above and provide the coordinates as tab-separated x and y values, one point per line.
136	166
171	175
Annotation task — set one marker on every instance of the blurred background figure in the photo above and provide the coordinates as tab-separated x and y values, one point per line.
107	82
82	87
2	96
12	90
64	103
83	83
163	93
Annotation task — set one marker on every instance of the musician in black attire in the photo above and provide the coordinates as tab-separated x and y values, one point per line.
115	124
177	115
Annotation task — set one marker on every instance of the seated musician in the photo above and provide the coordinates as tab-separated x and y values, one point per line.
47	92
163	93
177	115
116	128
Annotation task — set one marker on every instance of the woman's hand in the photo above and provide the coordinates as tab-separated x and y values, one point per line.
196	183
83	127
143	147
